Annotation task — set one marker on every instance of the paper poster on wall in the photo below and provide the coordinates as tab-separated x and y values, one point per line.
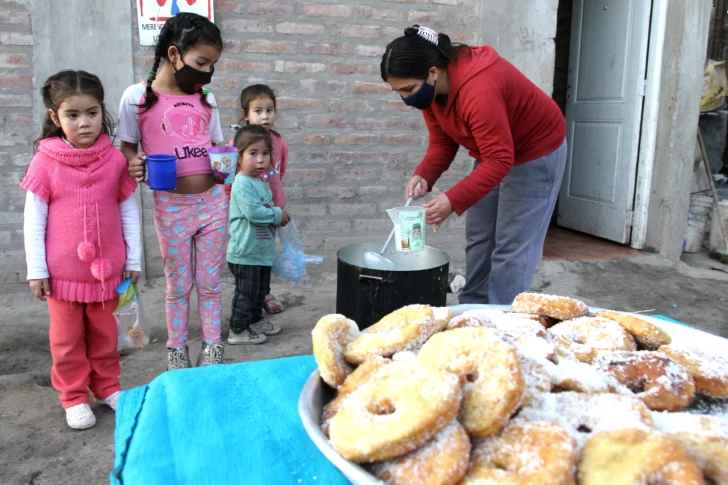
152	14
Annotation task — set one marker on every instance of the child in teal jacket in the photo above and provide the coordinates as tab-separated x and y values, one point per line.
252	247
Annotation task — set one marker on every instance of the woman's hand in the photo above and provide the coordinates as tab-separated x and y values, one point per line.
134	275
414	190
41	288
138	167
437	210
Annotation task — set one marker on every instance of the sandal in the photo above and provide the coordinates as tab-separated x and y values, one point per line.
271	305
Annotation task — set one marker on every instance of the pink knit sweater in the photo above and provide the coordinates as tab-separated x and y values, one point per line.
85	248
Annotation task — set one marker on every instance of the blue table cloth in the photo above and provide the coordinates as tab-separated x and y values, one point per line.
229	424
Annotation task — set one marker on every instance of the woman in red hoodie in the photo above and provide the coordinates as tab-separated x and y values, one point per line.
471	97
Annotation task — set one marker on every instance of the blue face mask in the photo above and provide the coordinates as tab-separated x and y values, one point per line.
422	99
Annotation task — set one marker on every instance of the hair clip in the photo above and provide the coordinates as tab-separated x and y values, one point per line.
235	127
427	34
268	175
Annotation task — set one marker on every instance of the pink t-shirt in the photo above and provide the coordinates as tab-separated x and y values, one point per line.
279	163
175	125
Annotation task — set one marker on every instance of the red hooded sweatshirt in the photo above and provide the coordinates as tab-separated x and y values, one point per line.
495	112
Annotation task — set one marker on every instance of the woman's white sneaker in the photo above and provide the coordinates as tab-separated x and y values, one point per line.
111	400
80	416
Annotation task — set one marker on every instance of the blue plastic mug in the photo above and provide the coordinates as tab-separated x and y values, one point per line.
162	172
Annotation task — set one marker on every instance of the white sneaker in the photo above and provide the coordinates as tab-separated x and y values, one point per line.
266	328
80	416
246	337
111	400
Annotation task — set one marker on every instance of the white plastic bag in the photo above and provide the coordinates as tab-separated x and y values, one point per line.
290	265
132	329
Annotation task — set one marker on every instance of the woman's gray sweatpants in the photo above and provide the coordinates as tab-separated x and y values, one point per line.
505	230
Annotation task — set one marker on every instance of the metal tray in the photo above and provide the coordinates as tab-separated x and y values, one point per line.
315	394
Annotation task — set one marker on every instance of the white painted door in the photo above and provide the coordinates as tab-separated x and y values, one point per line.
603	115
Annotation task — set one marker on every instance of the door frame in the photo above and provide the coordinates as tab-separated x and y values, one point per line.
648	131
626	220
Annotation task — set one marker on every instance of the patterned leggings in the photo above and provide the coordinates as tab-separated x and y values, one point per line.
191	230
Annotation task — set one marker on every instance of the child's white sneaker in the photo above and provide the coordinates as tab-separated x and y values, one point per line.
246	337
111	400
80	416
266	328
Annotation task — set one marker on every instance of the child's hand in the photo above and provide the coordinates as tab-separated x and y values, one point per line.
134	275
41	288
219	176
138	167
286	217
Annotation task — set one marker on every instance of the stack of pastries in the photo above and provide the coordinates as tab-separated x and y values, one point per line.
547	394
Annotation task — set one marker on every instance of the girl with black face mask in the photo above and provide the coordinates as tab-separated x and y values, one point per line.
471	97
171	113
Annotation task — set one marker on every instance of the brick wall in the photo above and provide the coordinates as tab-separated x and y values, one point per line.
19	127
353	143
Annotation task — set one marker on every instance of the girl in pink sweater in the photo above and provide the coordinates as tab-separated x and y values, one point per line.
258	107
172	114
82	237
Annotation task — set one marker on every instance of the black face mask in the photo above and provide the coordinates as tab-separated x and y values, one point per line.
422	99
191	80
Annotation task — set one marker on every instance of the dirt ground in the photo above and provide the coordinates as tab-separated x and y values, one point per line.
37	448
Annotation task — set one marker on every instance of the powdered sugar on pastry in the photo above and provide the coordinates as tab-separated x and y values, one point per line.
401	409
524	453
566	374
405	329
649	336
330	336
474	318
442	461
443	315
637	456
489	369
536	379
404	356
572	375
558	307
704	437
691	423
709	371
361	375
660	382
584	414
584	338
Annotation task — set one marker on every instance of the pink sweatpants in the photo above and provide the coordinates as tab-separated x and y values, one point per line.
191	229
83	340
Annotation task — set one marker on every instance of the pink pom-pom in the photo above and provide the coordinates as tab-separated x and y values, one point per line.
86	251
101	269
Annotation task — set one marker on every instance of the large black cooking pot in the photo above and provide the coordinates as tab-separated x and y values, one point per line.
365	295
